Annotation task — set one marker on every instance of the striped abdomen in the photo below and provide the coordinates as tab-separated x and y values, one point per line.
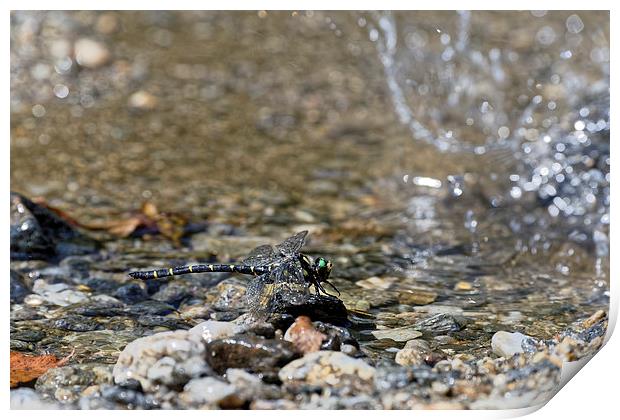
199	268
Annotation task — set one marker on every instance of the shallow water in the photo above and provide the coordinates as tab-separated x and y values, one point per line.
462	156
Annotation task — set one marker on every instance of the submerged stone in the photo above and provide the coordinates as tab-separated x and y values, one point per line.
67	383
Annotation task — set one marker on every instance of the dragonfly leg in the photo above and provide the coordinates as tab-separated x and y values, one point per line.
332	286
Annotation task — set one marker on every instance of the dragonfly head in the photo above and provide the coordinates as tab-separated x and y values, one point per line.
323	268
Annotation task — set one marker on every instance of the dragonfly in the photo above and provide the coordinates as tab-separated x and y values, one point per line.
281	270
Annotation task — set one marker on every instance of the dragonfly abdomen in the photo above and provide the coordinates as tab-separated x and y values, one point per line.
200	268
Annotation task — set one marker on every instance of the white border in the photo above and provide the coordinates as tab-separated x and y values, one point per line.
592	394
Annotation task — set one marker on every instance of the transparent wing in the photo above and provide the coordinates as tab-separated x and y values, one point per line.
258	296
262	255
289	273
292	245
284	282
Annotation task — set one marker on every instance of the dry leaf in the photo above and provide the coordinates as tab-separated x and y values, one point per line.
148	218
25	368
304	336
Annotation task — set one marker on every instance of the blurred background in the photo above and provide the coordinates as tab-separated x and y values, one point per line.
461	145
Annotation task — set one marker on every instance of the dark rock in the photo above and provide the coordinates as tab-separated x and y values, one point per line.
38	233
19	290
390	377
174	293
249	352
317	307
131	293
18	345
25	314
129	398
442	324
30	336
67	383
93	309
150	307
162	321
98	285
77	323
336	336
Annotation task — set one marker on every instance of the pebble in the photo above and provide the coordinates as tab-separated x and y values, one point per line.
90	53
442	324
507	344
304	336
106	24
142	100
463	286
207	390
397	334
328	369
58	293
249	351
67	383
416	297
169	358
213	330
131	293
414	353
28	399
374	283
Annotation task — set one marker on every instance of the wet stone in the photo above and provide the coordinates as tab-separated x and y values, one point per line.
328	369
169	358
213	330
336	337
228	295
162	321
507	344
58	293
96	309
149	307
317	307
28	335
174	293
414	353
37	233
206	391
19	290
417	297
121	396
397	334
77	323
29	399
66	383
250	352
442	324
131	293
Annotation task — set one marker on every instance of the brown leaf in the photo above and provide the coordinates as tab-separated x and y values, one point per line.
25	368
169	225
304	336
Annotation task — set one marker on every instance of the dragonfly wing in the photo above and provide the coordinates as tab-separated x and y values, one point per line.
292	245
262	255
284	282
258	296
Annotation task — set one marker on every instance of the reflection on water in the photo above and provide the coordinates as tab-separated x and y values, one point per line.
464	154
